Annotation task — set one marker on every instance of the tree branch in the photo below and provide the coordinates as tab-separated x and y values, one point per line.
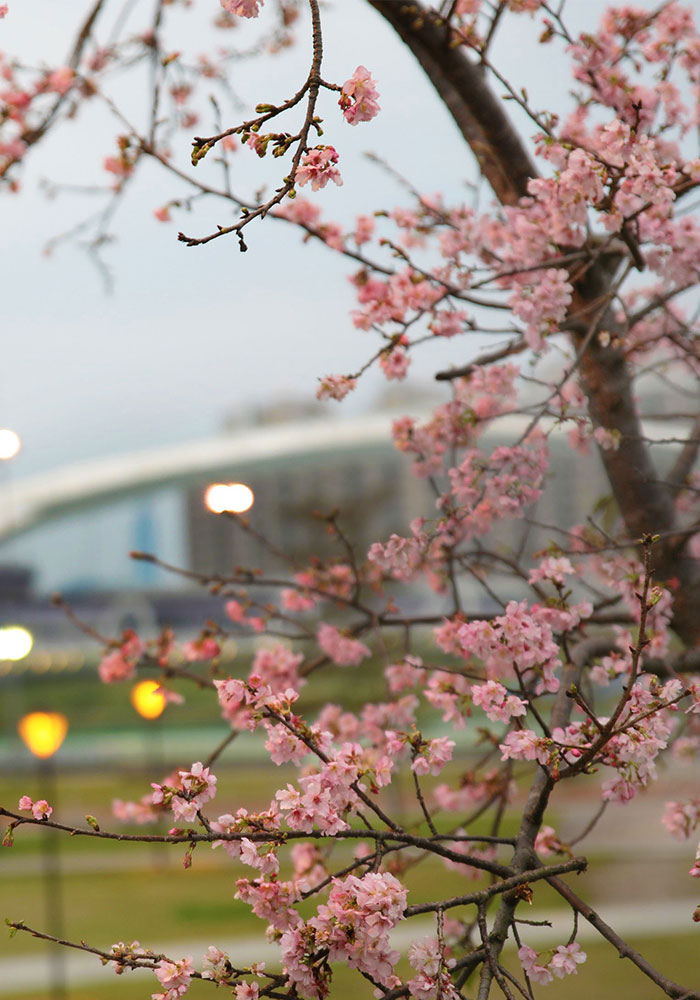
625	950
645	501
461	83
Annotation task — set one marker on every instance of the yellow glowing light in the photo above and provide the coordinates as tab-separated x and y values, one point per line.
235	498
148	699
43	732
10	443
15	642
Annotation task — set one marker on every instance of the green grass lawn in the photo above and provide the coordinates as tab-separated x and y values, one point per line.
148	883
603	977
118	891
92	706
161	902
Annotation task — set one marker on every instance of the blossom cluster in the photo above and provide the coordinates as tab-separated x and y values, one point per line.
175	977
196	787
40	809
358	97
562	962
353	927
120	664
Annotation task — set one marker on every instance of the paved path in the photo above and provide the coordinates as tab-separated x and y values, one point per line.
28	974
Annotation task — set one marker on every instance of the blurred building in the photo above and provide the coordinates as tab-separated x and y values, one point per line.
371	489
74	527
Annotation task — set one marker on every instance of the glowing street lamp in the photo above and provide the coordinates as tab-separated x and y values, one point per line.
10	444
148	699
15	642
232	498
43	732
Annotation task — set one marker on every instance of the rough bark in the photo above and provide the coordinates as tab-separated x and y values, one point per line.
645	502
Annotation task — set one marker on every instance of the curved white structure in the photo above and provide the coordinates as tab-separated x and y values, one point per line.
28	502
35	499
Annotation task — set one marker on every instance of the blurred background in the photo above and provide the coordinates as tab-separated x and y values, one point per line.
121	405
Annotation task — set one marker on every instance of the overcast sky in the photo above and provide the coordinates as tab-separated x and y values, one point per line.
189	335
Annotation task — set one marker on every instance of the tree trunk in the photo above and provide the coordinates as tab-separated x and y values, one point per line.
644	500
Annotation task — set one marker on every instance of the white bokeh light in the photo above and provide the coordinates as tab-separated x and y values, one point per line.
15	642
235	498
10	443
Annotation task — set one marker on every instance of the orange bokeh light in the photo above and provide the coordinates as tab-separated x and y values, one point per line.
148	699
43	732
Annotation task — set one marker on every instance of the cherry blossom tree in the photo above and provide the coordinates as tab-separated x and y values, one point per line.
586	252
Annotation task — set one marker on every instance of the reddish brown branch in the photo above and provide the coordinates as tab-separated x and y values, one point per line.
624	950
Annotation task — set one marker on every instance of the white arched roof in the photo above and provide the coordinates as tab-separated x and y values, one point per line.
27	502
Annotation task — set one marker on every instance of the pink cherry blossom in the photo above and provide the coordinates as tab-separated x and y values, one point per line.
449	324
524	744
119	166
566	958
433	756
318	166
554	568
302	211
309	868
283	747
335	387
235	611
199	783
116	667
215	964
608	440
272	901
394	363
536	972
547	842
277	667
60	80
433	980
175	976
496	702
681	818
41	809
695	870
203	648
542	306
265	861
353	925
296	600
120	664
358	97
399	557
234	695
407	674
365	225
342	649
247	991
520	636
242	8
